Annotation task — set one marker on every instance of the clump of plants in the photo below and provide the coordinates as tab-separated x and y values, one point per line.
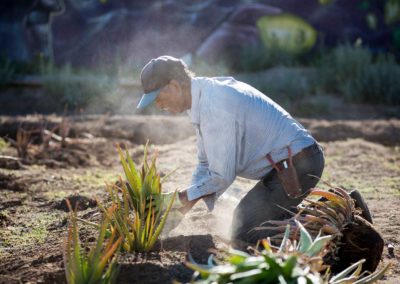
132	222
98	265
292	262
297	260
333	212
378	83
139	214
358	75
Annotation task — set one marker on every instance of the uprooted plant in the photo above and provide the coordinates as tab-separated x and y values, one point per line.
333	212
139	216
295	261
96	266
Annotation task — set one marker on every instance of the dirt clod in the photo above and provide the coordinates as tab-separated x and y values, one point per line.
5	220
10	182
78	202
10	163
390	248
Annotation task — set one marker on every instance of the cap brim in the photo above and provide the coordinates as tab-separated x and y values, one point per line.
148	98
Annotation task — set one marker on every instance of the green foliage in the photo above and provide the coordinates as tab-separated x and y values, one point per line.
378	83
340	64
259	57
289	89
312	105
286	86
65	85
137	212
392	11
353	72
3	144
290	263
76	90
7	71
202	68
96	266
287	264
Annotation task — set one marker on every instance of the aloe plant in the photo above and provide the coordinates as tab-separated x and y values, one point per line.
290	263
139	214
295	261
96	266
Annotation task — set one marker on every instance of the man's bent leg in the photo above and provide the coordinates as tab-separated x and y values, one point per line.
265	201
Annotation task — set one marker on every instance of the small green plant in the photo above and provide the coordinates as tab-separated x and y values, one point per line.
96	266
139	215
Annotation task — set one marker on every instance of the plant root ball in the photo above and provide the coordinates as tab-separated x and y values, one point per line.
360	241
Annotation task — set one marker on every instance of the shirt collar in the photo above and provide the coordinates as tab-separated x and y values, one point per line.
196	94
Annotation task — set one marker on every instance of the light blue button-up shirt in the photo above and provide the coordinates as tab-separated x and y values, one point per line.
236	127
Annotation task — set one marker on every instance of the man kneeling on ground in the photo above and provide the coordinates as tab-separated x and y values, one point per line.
240	132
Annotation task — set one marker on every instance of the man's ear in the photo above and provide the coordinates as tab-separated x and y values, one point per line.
175	86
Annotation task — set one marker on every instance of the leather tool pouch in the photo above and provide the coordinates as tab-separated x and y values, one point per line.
287	175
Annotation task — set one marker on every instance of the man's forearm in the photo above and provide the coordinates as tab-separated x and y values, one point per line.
187	205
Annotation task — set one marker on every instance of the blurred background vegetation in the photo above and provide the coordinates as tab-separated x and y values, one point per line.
348	72
307	77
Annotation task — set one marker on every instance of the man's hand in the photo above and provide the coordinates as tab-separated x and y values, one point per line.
179	209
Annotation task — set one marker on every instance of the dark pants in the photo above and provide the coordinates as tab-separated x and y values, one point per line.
262	203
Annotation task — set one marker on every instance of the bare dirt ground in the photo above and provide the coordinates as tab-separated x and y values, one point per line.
360	154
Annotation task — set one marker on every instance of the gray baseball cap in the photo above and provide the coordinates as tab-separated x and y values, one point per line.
156	74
